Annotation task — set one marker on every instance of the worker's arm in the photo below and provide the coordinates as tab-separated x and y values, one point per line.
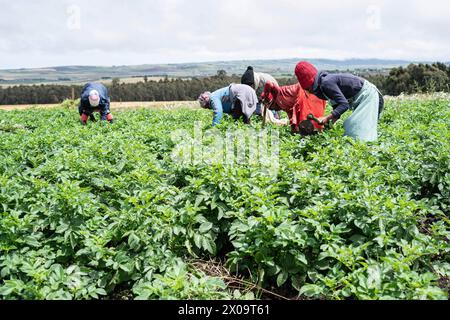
332	91
84	111
267	94
105	110
216	105
80	107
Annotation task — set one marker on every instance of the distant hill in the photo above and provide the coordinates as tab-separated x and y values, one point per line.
279	68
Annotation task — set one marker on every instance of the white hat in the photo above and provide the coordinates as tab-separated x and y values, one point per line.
94	98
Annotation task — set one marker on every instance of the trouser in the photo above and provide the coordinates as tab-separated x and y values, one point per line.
238	113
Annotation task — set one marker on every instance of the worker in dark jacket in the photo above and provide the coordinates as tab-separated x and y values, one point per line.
298	104
345	92
94	98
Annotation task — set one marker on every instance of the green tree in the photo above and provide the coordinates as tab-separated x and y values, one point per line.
221	74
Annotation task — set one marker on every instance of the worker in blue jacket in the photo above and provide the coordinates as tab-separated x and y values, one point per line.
237	100
94	98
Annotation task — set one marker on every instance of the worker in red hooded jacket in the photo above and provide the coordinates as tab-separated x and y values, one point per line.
298	104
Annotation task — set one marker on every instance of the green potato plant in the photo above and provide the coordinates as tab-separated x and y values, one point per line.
100	212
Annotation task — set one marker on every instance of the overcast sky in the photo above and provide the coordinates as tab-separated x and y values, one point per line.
42	33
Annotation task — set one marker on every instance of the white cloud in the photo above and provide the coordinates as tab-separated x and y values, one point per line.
114	32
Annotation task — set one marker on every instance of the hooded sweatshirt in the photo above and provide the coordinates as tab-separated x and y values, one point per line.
104	105
338	88
297	103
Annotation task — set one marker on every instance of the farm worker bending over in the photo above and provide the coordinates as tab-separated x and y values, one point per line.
257	80
345	92
238	100
94	98
297	103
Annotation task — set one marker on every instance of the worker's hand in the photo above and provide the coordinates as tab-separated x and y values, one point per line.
267	98
110	118
84	118
263	97
325	120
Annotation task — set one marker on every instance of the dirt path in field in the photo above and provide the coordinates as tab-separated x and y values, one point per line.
118	106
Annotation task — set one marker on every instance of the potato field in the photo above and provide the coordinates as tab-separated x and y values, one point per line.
105	212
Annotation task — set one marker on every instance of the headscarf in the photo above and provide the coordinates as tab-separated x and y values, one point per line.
306	74
204	99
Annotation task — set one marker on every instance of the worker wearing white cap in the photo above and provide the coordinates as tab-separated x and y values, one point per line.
94	98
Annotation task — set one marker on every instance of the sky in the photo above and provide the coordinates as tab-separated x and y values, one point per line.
43	33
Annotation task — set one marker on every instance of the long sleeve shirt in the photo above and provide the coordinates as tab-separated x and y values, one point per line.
297	103
339	89
103	107
260	81
246	97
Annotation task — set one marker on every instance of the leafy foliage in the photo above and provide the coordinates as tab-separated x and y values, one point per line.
87	212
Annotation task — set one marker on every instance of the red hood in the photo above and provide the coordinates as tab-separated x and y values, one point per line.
296	102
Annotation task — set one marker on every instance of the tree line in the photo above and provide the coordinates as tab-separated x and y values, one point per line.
415	78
